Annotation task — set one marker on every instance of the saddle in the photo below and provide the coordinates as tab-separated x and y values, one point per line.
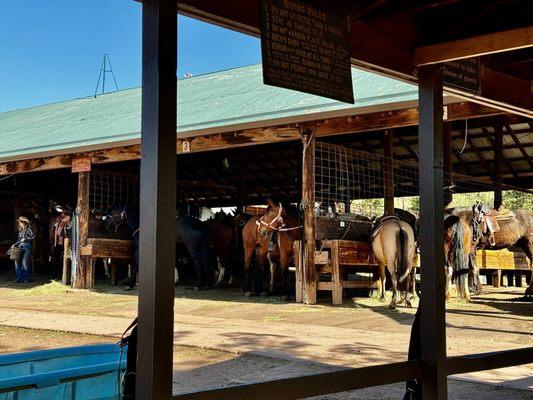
378	224
493	216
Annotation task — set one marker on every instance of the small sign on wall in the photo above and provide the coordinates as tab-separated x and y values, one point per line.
463	74
82	164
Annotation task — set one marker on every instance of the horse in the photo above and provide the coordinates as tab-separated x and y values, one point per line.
256	235
513	228
222	231
281	249
462	234
193	234
393	243
118	218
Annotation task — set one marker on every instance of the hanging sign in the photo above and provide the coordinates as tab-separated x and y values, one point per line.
463	74
305	48
82	164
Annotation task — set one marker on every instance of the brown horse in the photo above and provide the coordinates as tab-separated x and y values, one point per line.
282	251
463	231
393	243
514	229
256	235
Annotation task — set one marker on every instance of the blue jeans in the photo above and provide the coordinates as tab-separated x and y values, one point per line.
22	268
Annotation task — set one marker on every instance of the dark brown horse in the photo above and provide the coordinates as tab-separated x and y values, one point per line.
257	235
221	231
462	236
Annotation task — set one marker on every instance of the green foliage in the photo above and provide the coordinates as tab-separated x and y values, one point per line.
513	200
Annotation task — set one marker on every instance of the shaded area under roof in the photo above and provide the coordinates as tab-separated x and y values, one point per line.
216	100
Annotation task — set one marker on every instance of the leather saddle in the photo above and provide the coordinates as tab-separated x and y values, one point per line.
493	217
378	224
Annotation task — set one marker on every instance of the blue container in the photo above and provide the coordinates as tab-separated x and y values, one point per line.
73	373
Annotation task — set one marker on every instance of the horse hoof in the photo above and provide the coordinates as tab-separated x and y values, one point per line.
127	288
263	293
247	294
392	306
285	297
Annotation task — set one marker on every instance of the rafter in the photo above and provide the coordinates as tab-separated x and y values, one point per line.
498	42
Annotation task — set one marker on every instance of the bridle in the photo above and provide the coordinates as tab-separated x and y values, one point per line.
280	227
122	215
277	218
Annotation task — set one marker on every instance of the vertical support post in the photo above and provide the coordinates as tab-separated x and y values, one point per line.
447	162
388	173
498	161
83	273
308	200
432	306
242	199
157	200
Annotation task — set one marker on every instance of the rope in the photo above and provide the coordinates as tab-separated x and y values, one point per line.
75	248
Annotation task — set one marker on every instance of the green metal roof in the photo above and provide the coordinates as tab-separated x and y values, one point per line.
217	100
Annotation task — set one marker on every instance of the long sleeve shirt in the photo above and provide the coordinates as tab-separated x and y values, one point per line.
26	235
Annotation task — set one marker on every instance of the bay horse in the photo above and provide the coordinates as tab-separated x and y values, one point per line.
282	252
515	229
257	235
393	243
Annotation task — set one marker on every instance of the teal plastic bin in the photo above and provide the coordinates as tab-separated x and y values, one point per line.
73	373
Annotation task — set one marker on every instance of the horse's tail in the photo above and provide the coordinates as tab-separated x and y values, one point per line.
402	253
460	261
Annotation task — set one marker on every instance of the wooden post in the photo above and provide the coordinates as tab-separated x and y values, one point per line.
432	306
308	201
157	201
66	278
388	173
297	251
336	276
447	162
82	280
498	161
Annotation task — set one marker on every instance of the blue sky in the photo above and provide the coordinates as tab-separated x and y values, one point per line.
52	50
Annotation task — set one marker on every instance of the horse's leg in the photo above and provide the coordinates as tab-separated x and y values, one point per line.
394	280
248	254
383	279
449	271
529	253
264	272
272	274
285	252
477	287
221	273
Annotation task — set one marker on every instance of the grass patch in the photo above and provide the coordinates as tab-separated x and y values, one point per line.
48	289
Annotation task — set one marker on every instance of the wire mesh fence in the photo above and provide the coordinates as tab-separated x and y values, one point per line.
350	181
109	189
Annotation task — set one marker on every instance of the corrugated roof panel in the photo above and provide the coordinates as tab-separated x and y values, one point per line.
213	100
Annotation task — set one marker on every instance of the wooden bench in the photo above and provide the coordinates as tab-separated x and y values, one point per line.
334	260
100	248
502	260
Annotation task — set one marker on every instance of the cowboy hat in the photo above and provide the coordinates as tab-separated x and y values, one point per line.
23	219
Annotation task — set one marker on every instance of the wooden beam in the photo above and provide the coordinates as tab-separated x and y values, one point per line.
82	278
388	172
431	182
157	201
256	136
491	43
308	201
519	145
447	163
498	158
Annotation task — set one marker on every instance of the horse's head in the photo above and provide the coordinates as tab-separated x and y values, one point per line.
114	218
272	219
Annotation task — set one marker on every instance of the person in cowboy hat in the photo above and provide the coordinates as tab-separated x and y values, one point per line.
25	238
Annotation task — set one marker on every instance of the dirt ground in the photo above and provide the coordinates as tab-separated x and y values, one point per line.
222	338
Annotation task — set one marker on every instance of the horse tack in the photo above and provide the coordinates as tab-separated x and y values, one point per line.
378	224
